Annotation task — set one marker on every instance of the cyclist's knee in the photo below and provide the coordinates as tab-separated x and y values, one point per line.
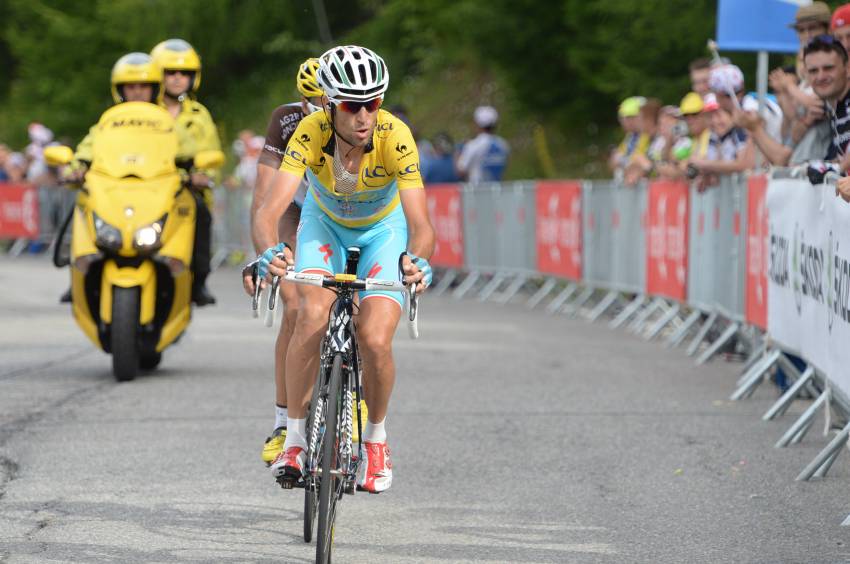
375	343
311	313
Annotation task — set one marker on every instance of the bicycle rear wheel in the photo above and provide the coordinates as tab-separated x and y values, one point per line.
331	480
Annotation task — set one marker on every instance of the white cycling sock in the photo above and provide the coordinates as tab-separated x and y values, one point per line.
296	433
375	432
280	416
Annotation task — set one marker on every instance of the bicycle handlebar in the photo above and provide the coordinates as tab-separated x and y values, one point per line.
325	281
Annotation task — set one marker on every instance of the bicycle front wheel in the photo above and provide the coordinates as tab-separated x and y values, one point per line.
331	480
311	491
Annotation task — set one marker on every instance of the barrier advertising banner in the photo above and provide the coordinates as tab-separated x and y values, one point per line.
18	211
758	250
558	233
446	211
809	275
667	239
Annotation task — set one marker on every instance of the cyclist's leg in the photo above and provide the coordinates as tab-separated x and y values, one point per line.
320	250
273	446
380	311
287	229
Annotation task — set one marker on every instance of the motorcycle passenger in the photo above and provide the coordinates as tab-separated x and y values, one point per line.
181	68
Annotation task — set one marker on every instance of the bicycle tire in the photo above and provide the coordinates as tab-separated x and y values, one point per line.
328	490
310	491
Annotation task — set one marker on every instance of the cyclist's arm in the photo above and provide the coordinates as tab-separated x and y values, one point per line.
277	138
265	176
420	240
279	195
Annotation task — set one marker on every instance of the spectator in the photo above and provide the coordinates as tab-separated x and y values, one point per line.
16	167
700	69
807	138
643	164
729	150
809	22
633	143
438	165
693	142
37	171
826	66
484	157
246	171
727	83
840	26
4	156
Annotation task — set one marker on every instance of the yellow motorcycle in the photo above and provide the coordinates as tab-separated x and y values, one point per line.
132	236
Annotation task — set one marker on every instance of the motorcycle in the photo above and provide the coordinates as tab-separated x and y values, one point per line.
132	236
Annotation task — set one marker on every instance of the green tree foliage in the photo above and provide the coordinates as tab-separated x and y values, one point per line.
564	63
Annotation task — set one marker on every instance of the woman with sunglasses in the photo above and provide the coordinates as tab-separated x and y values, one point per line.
365	190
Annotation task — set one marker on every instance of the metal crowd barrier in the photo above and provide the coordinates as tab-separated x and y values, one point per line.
663	258
30	216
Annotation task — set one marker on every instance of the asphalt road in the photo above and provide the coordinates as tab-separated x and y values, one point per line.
516	437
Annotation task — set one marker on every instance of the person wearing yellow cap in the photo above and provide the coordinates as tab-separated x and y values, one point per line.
694	143
181	67
635	142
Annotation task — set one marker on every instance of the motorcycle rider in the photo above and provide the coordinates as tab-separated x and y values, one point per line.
181	68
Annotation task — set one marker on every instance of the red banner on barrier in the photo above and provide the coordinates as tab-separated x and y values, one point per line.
758	250
18	211
667	240
446	211
559	228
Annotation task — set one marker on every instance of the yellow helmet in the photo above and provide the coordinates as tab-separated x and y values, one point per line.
308	84
176	54
136	67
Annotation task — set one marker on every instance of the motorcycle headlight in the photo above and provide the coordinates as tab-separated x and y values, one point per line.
106	236
149	237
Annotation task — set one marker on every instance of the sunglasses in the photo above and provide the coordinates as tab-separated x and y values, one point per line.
179	71
354	107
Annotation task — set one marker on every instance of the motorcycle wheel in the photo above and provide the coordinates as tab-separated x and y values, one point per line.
125	336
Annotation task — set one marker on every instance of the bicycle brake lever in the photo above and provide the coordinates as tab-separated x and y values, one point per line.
255	301
414	301
273	294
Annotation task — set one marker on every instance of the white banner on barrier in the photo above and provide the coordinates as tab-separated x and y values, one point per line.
809	275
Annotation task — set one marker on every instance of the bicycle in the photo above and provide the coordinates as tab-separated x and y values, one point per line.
331	467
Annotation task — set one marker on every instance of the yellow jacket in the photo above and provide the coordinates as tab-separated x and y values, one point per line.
196	123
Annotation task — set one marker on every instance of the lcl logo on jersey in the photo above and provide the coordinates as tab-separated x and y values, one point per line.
293	154
410	169
374	175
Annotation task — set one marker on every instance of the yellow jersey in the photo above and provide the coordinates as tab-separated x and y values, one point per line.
390	163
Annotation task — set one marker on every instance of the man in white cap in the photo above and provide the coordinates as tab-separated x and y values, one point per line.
483	158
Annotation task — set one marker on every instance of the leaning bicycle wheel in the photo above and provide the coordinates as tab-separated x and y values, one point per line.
311	492
331	480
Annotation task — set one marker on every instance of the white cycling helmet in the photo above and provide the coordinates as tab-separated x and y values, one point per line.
351	73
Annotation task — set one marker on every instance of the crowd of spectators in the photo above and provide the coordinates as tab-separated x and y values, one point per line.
28	164
720	128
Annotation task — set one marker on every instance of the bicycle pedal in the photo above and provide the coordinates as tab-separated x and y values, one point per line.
288	482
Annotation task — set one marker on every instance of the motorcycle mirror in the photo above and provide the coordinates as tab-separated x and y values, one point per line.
209	159
58	155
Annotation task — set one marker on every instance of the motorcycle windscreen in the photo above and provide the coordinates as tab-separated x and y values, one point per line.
135	140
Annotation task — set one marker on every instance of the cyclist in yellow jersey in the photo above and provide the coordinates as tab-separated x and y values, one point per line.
181	68
365	190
